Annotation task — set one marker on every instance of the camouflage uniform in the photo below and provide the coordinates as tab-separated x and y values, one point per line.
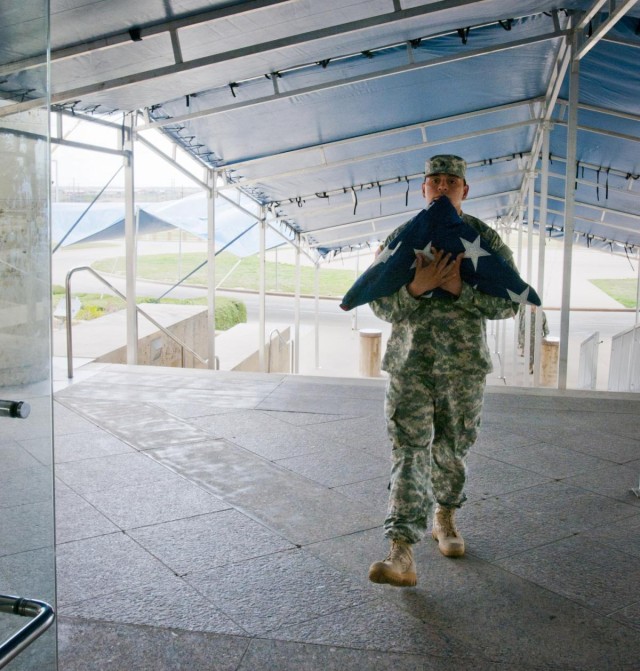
437	358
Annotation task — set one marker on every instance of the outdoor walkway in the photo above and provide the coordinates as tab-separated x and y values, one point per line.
226	521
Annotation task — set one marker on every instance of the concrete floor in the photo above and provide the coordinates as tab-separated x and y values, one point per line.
211	520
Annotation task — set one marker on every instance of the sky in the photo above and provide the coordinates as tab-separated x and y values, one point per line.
81	168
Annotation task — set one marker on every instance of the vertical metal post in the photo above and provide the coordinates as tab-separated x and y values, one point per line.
131	240
296	344
569	206
527	317
514	358
542	231
212	177
317	305
263	291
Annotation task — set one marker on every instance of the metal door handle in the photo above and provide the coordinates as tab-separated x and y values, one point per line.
19	409
43	617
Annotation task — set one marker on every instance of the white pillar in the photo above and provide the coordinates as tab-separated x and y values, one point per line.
296	344
131	241
569	195
212	177
542	228
263	291
317	304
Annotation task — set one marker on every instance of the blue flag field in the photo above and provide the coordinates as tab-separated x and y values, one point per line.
439	226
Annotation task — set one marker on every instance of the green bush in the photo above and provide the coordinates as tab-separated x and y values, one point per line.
229	312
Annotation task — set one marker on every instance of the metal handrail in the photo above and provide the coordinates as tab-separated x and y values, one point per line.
283	341
124	298
43	617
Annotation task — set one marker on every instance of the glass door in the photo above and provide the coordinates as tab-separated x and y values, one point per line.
27	551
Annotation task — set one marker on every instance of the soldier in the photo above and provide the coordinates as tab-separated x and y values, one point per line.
437	359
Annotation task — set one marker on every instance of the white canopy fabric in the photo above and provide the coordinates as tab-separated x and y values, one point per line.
236	231
324	112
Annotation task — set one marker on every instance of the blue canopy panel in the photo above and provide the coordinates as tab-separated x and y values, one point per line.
376	105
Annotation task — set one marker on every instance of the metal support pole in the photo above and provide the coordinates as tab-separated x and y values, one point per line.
317	305
296	345
569	206
542	231
131	241
212	177
263	291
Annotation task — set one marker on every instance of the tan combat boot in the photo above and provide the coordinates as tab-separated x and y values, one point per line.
450	542
397	569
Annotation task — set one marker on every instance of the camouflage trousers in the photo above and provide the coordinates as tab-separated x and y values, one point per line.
432	424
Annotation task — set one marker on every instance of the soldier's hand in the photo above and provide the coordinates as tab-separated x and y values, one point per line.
453	281
431	274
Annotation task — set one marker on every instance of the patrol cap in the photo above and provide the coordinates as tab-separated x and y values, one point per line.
447	164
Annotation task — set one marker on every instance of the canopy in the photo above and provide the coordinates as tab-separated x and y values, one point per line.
236	231
324	112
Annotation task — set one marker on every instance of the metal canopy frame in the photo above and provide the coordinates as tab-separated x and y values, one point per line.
295	106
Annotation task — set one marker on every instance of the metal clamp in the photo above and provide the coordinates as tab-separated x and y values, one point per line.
43	617
19	409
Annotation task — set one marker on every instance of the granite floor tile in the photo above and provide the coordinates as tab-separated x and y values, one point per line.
80	445
160	501
76	518
116	647
506	618
263	434
290	401
266	593
15	455
550	461
169	603
26	527
382	627
623	535
615	482
487	477
492	530
373	493
95	567
119	470
300	510
366	433
302	418
567	508
206	541
37	480
629	615
290	656
337	465
582	570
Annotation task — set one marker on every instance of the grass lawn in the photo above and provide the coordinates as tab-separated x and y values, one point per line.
244	273
229	312
623	290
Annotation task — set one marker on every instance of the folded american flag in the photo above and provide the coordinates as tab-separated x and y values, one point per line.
439	226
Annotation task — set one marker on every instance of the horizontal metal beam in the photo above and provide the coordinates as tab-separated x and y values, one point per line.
374	220
409	67
143	32
89	147
422	125
382	154
233	54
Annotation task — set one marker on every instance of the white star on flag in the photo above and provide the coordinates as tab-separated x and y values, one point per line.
473	251
426	251
386	254
519	298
